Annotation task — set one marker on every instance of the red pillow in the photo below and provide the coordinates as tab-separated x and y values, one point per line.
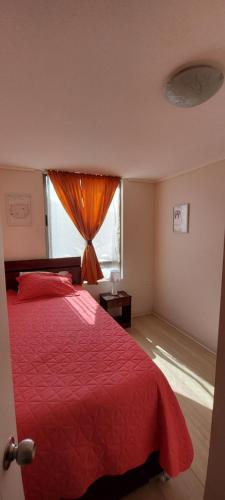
37	285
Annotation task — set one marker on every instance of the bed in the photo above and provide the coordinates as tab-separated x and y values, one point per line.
101	412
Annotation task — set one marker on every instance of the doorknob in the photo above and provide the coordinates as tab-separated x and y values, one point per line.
23	453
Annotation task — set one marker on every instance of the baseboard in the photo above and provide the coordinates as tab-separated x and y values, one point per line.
182	332
138	315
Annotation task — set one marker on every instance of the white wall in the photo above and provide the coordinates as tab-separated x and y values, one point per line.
29	242
23	242
188	267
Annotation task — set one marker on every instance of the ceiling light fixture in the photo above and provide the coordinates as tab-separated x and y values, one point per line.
193	85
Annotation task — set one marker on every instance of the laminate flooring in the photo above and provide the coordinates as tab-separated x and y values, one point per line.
190	370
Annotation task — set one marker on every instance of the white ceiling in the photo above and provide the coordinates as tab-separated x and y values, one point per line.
81	85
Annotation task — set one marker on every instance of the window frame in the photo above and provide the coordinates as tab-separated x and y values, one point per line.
103	264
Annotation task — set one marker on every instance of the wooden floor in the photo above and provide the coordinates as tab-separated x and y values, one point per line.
190	369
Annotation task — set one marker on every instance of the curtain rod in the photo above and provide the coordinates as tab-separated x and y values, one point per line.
80	172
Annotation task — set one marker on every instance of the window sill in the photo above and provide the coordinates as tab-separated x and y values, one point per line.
104	280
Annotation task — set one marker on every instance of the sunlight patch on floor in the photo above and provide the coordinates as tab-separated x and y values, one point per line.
182	379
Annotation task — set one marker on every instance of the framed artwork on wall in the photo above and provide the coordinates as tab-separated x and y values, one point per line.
181	218
18	209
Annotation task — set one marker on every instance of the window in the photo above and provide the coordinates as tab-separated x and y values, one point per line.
65	240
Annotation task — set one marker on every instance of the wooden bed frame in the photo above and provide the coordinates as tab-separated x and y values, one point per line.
116	487
13	268
107	487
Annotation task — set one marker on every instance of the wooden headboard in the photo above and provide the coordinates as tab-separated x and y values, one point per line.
13	268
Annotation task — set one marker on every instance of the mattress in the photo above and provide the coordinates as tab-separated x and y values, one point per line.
93	401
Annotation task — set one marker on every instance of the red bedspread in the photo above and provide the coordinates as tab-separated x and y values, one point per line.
89	396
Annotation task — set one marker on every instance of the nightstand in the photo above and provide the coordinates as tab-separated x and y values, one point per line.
123	301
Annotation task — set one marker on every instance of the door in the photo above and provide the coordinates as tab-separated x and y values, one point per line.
11	487
215	482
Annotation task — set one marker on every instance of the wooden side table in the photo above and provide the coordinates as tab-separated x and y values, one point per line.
123	300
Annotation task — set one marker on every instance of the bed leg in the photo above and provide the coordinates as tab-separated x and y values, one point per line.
164	477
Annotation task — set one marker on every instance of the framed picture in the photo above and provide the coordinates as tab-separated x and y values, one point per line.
181	218
18	209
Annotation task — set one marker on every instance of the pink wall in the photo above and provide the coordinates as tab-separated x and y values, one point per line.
188	267
23	242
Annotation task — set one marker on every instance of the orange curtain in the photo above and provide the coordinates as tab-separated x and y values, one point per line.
86	198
